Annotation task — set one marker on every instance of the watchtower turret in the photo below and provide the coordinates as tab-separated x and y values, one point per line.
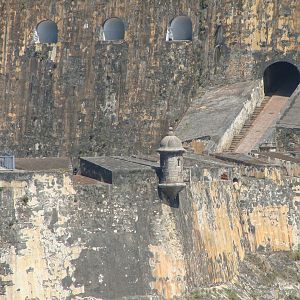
171	163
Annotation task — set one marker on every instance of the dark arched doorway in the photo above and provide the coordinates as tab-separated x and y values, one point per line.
47	32
114	29
281	78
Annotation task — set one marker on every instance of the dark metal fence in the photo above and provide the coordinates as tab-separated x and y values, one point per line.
7	162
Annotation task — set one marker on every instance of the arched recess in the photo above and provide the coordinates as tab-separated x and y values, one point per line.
281	78
47	32
180	29
219	36
114	29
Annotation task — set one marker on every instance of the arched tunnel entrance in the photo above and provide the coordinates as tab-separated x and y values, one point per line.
281	78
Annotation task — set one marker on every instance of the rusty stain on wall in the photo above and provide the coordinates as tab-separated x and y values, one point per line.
268	227
216	232
168	263
37	269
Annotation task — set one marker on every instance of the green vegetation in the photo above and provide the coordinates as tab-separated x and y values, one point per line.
232	294
203	294
295	255
292	297
25	199
194	296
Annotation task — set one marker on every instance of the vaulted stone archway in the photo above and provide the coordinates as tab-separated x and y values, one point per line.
281	78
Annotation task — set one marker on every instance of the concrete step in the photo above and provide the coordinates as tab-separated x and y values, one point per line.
261	122
248	124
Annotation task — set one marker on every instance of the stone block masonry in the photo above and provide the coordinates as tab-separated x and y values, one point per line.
115	170
74	237
86	96
63	238
288	127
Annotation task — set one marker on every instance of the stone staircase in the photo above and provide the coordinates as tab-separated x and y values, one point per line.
238	137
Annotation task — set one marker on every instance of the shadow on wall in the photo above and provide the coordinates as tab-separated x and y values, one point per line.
281	78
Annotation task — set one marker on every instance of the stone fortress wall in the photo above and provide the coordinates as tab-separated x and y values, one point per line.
65	239
69	237
84	96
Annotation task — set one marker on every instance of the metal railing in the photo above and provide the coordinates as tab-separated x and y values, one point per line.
8	162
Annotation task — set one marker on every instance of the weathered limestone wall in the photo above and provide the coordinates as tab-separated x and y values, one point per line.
34	256
271	221
256	34
288	140
62	240
86	96
287	134
83	95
